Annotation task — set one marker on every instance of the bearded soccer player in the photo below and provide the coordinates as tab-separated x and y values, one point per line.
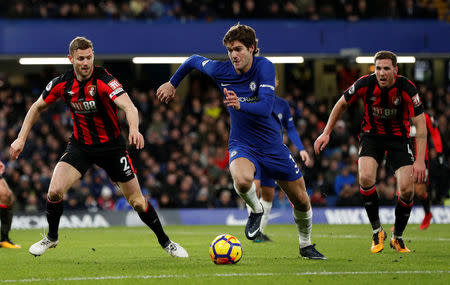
247	82
390	101
6	211
93	96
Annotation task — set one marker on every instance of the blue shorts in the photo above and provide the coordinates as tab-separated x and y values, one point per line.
276	165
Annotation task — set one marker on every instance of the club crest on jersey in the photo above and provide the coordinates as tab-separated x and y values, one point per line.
396	100
92	89
252	86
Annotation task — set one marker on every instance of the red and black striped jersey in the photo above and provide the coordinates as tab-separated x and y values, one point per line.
387	111
434	137
94	113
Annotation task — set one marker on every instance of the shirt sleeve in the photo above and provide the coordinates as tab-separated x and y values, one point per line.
202	64
266	92
434	134
413	94
357	90
109	85
288	125
53	91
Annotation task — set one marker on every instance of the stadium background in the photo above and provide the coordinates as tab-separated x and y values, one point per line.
184	164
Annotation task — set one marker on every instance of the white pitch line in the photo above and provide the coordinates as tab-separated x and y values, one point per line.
319	273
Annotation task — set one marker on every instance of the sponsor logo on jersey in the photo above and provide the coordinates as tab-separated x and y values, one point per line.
252	86
251	99
225	84
83	107
92	90
114	84
416	100
384	112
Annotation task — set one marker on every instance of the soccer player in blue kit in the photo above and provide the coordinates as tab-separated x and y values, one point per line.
265	184
255	144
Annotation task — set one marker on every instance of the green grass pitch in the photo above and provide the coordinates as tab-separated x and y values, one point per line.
121	255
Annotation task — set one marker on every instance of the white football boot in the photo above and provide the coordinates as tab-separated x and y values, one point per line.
41	246
176	250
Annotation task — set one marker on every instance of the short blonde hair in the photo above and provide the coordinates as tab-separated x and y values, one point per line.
79	43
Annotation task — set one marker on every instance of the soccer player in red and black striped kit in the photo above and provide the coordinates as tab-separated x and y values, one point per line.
93	97
421	189
390	102
6	211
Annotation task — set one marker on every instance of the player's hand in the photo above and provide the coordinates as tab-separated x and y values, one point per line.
305	157
136	138
321	142
166	92
419	171
231	99
2	168
16	148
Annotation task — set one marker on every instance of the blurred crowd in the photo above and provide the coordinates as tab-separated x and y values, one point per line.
185	160
350	10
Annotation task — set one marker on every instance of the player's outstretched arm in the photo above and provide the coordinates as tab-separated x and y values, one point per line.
131	112
421	143
322	141
166	92
32	115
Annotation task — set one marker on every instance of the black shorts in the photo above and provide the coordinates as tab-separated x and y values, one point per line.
112	157
398	151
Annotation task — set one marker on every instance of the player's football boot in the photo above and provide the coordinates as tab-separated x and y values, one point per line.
378	241
252	226
426	221
398	245
176	250
262	238
310	252
9	244
41	246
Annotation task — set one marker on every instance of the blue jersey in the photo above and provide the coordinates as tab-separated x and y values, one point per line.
255	124
256	131
283	112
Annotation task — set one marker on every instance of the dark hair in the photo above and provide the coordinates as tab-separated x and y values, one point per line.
244	34
384	54
79	43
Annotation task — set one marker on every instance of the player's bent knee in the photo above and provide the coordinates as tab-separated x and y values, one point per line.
54	196
406	193
243	183
138	206
366	180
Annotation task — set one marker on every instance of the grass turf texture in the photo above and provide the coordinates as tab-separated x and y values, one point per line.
131	255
